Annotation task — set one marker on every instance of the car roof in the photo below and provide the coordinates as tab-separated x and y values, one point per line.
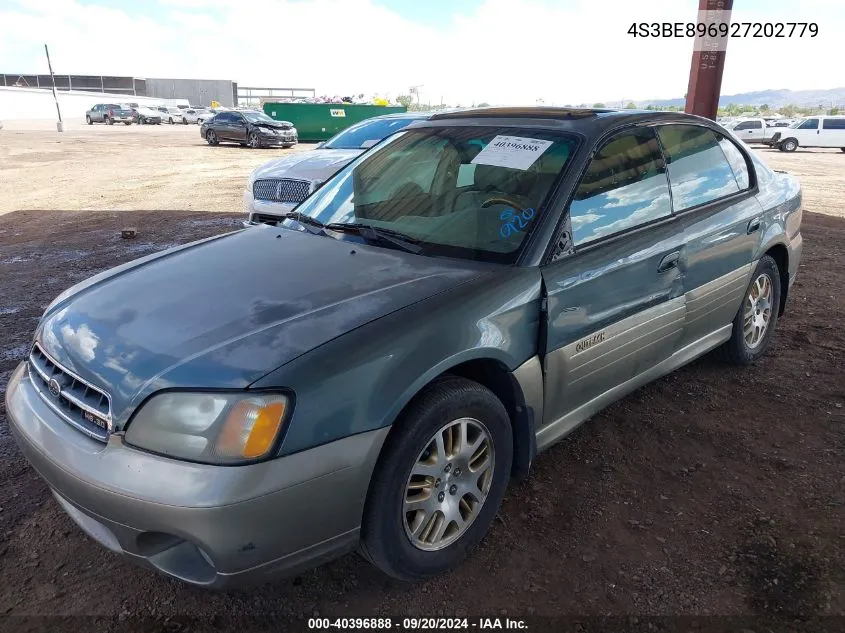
400	115
589	121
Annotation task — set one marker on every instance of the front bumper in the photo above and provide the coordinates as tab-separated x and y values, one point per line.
275	139
264	210
212	526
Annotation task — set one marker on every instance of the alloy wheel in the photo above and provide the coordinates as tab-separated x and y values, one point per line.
758	311
448	484
254	141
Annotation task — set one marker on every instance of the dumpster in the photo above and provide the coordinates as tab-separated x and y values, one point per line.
321	121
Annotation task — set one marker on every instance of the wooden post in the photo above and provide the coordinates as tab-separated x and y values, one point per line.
60	126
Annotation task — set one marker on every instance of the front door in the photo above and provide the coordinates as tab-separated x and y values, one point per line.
807	133
615	306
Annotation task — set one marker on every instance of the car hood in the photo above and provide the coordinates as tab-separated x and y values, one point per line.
276	125
223	313
318	164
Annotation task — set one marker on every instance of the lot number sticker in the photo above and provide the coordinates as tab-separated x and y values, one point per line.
515	152
338	113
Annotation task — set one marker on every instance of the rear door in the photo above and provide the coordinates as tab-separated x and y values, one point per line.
615	306
833	132
722	223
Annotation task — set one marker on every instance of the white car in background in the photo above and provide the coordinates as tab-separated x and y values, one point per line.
195	115
276	187
170	114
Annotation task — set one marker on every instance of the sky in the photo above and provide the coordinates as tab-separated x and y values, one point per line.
463	52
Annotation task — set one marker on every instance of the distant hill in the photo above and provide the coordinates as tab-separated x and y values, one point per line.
773	98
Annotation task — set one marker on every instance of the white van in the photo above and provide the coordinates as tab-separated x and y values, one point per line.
814	131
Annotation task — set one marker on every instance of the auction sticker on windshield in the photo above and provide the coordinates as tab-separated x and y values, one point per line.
515	152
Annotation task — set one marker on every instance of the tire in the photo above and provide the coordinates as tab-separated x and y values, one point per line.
211	138
184	121
171	120
738	350
88	120
109	120
253	140
842	148
128	123
789	145
396	539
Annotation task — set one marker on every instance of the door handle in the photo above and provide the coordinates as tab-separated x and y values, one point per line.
754	225
669	262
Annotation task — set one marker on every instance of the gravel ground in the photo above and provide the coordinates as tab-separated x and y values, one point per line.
715	491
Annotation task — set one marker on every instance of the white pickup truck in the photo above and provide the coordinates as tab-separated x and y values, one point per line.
753	130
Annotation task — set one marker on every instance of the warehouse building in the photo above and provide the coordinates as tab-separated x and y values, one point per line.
194	91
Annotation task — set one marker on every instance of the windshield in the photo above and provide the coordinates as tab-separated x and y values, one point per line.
366	133
470	192
797	124
255	117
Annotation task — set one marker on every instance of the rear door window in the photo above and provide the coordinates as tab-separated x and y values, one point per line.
624	186
833	124
699	172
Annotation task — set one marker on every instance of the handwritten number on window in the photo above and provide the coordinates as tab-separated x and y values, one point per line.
514	223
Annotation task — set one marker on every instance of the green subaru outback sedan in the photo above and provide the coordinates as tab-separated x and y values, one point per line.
371	371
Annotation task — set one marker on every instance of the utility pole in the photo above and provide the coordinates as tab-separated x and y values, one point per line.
60	126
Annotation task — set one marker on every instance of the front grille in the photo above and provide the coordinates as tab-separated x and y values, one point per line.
265	219
281	190
77	402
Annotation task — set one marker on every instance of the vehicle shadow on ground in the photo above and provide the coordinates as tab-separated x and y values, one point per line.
715	490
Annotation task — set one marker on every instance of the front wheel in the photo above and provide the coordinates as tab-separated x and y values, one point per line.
109	120
211	137
254	141
754	324
789	145
88	120
439	480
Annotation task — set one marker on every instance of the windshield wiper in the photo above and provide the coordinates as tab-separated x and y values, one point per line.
305	221
369	232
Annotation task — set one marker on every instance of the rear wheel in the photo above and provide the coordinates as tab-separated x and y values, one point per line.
789	145
754	324
211	137
439	481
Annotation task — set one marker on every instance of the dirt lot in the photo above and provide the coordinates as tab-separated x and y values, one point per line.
715	491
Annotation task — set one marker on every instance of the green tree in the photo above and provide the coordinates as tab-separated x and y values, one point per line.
631	106
405	100
834	111
598	105
483	104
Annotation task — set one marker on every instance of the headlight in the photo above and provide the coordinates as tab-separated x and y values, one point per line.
212	428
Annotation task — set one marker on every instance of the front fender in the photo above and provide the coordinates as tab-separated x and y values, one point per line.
362	380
